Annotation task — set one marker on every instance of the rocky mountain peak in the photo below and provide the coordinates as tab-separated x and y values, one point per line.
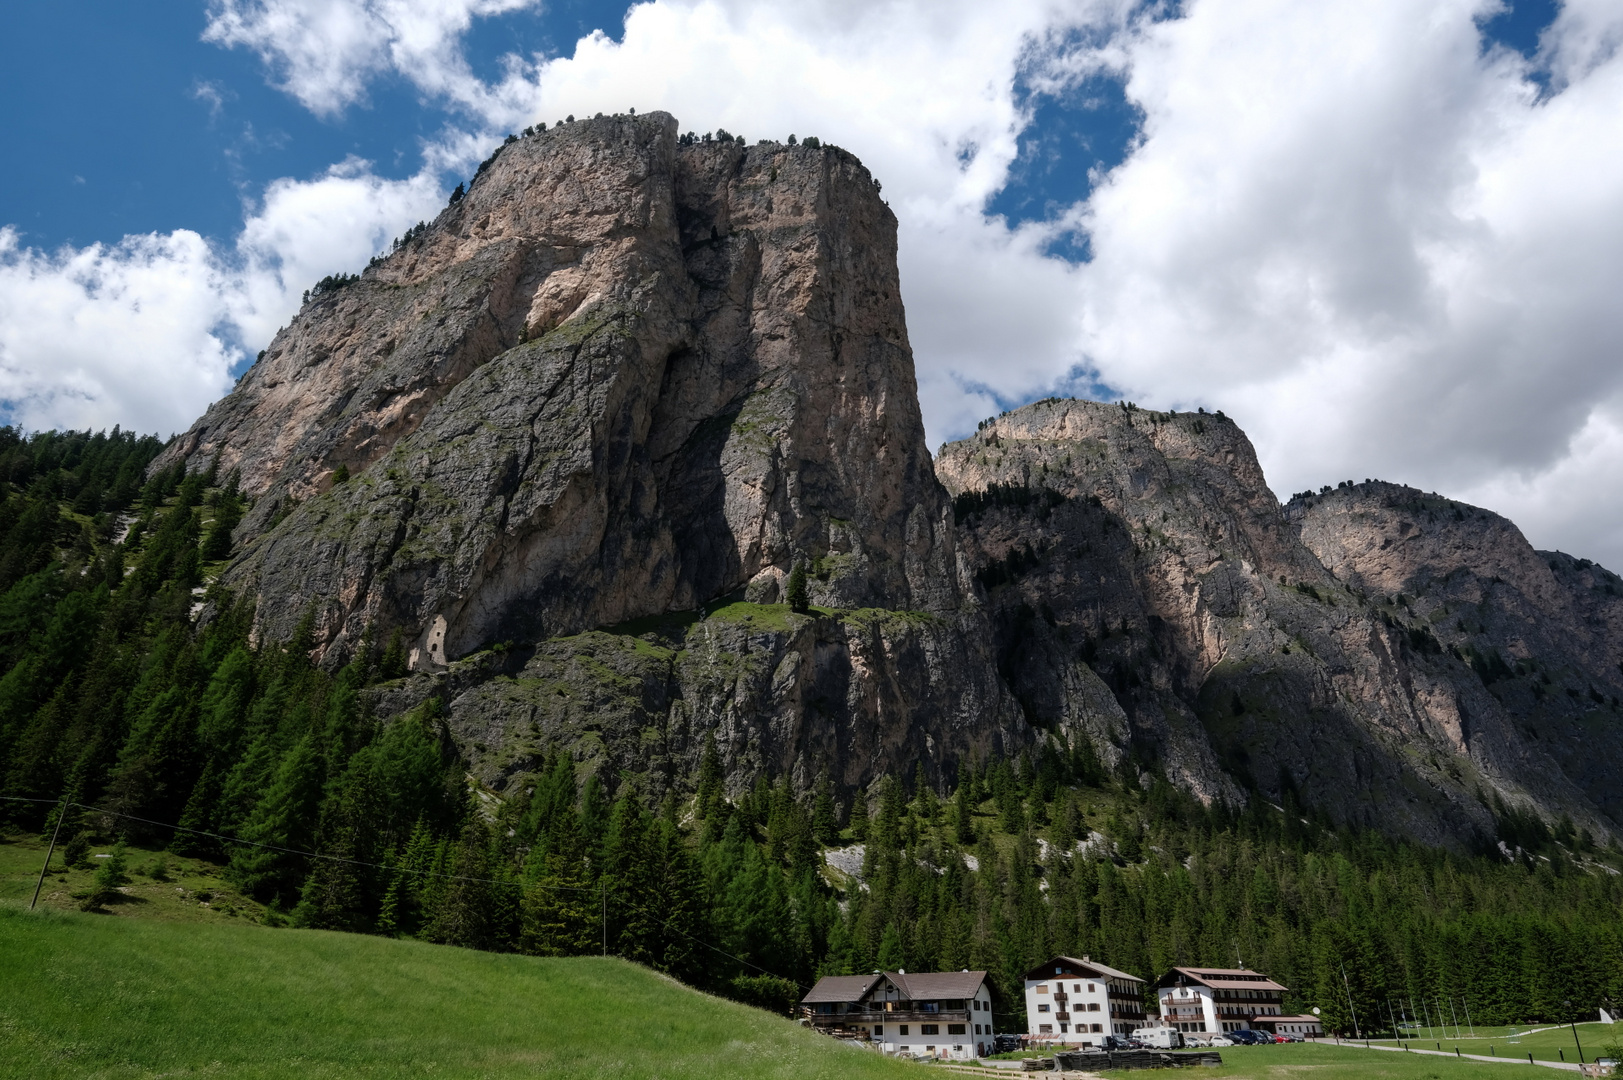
601	406
621	376
1394	657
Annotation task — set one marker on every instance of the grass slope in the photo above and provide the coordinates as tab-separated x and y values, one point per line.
162	886
1330	1062
104	997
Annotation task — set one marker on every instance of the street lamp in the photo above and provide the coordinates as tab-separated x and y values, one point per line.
1573	1025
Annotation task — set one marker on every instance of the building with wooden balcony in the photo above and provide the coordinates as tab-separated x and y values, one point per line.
1215	1000
1078	1002
941	1014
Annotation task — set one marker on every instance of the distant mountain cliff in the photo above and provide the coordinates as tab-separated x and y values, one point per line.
1395	658
572	438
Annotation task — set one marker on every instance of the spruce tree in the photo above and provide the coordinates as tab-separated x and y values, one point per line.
859	815
283	821
560	914
393	664
110	875
1067	824
795	595
964	814
825	823
711	797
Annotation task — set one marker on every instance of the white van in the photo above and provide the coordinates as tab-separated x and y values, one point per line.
1160	1038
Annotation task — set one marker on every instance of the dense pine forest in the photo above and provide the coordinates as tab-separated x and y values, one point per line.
168	732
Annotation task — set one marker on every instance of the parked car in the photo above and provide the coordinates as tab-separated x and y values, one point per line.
1247	1037
1006	1044
1221	1040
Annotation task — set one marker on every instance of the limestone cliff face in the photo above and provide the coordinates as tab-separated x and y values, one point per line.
624	379
620	377
591	416
1147	547
1539	630
856	694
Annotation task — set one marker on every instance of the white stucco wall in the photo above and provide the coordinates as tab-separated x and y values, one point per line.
1088	1004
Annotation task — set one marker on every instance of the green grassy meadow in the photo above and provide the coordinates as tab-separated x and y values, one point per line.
1298	1061
100	996
1552	1045
162	886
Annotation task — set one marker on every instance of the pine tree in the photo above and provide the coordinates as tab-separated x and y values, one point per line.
795	595
963	814
110	875
825	823
711	798
284	822
859	815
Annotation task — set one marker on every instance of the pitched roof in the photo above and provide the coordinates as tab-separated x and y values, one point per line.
840	988
1102	971
934	985
1223	978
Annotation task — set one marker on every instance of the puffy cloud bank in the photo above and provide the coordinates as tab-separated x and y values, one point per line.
1385	247
1381	247
145	333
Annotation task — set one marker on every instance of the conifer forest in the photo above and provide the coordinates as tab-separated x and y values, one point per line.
152	726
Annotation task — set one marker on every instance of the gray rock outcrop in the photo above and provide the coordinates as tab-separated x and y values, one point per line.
621	377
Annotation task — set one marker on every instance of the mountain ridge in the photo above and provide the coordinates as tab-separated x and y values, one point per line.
630	375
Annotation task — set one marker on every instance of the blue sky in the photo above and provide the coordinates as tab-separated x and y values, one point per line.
135	124
1385	235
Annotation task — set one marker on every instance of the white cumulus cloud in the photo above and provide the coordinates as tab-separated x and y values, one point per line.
145	333
1385	248
324	52
119	334
1378	245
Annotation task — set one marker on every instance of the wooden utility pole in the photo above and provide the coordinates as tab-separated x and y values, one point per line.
62	812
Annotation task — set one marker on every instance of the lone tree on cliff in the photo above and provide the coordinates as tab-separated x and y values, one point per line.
797	589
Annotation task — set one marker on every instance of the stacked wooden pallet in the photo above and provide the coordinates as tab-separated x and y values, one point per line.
1092	1060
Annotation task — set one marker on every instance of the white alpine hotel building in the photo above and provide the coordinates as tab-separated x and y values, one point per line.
1078	1002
